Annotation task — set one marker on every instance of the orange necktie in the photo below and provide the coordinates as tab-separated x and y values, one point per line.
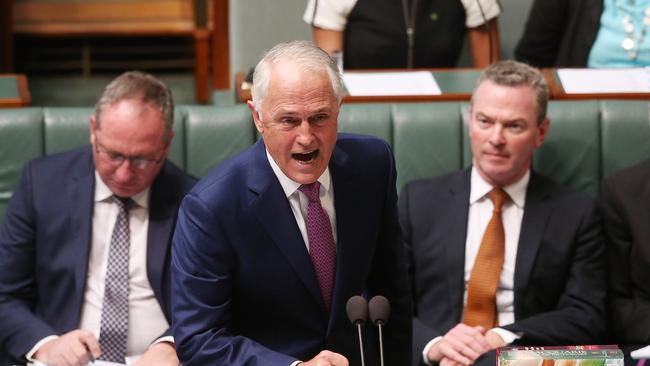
481	307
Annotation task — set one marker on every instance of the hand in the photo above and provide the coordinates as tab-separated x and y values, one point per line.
327	358
163	354
71	349
494	339
462	345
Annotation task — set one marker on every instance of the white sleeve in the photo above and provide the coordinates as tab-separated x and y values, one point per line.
330	14
474	18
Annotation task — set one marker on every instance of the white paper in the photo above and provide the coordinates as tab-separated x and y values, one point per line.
641	353
390	83
593	81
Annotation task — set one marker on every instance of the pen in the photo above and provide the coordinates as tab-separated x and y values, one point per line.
90	354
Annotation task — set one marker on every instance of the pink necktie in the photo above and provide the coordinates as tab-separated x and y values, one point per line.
321	241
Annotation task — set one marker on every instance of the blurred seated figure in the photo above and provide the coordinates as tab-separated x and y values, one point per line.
405	33
626	217
586	33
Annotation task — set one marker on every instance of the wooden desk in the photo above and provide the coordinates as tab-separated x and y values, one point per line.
558	93
458	85
14	91
455	84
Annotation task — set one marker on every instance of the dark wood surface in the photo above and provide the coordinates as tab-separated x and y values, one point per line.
14	91
458	85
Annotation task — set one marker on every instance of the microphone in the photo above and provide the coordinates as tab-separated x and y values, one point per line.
379	308
357	310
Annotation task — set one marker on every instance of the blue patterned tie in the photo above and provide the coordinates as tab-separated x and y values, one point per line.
115	308
321	241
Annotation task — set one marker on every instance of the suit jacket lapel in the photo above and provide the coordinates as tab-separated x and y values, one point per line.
454	240
162	213
273	211
350	251
533	225
81	194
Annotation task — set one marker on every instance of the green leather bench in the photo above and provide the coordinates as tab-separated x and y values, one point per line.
587	140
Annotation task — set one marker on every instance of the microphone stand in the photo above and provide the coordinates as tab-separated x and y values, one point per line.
380	325
363	362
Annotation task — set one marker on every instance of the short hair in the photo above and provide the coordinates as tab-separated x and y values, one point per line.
514	74
303	53
141	86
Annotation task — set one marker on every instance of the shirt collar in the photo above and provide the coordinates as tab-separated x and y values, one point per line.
517	190
289	186
103	193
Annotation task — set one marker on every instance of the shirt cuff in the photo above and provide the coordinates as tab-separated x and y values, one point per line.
168	339
507	335
474	17
38	345
425	352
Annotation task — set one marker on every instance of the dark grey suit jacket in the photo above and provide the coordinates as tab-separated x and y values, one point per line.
626	214
559	284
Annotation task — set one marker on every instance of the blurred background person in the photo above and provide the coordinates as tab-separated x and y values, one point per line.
405	33
586	33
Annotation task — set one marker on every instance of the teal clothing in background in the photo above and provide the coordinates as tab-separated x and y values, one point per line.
607	50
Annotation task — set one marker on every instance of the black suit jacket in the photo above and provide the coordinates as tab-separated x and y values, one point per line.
626	214
559	284
45	243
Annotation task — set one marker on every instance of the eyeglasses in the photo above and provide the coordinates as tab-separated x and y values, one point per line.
116	159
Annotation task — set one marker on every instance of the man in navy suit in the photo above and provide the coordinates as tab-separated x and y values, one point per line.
248	287
549	284
55	239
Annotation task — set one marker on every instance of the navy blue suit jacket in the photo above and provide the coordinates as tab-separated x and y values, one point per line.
244	289
45	243
559	281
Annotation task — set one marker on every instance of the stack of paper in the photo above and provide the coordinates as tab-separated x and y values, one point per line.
560	356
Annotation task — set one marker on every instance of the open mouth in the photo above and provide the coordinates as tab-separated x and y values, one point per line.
306	157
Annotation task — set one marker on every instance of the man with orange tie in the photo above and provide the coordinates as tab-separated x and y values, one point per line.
499	254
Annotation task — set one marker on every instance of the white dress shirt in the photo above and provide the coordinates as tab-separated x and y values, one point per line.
333	14
146	319
299	201
480	213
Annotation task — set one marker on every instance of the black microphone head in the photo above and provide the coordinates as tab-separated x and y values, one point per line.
379	308
357	310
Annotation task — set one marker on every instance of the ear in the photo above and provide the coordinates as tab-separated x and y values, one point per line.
542	131
93	128
256	117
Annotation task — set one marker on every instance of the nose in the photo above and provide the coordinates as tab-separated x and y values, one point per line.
496	135
124	172
305	134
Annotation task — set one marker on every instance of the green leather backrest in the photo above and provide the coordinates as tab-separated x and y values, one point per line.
66	128
427	140
214	134
587	140
21	139
368	119
625	133
571	152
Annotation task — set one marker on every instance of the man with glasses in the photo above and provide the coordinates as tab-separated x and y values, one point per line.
85	244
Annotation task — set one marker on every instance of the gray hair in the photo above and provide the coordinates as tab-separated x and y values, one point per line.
141	86
303	53
513	73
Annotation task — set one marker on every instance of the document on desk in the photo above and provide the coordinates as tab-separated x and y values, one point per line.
641	353
390	83
594	81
